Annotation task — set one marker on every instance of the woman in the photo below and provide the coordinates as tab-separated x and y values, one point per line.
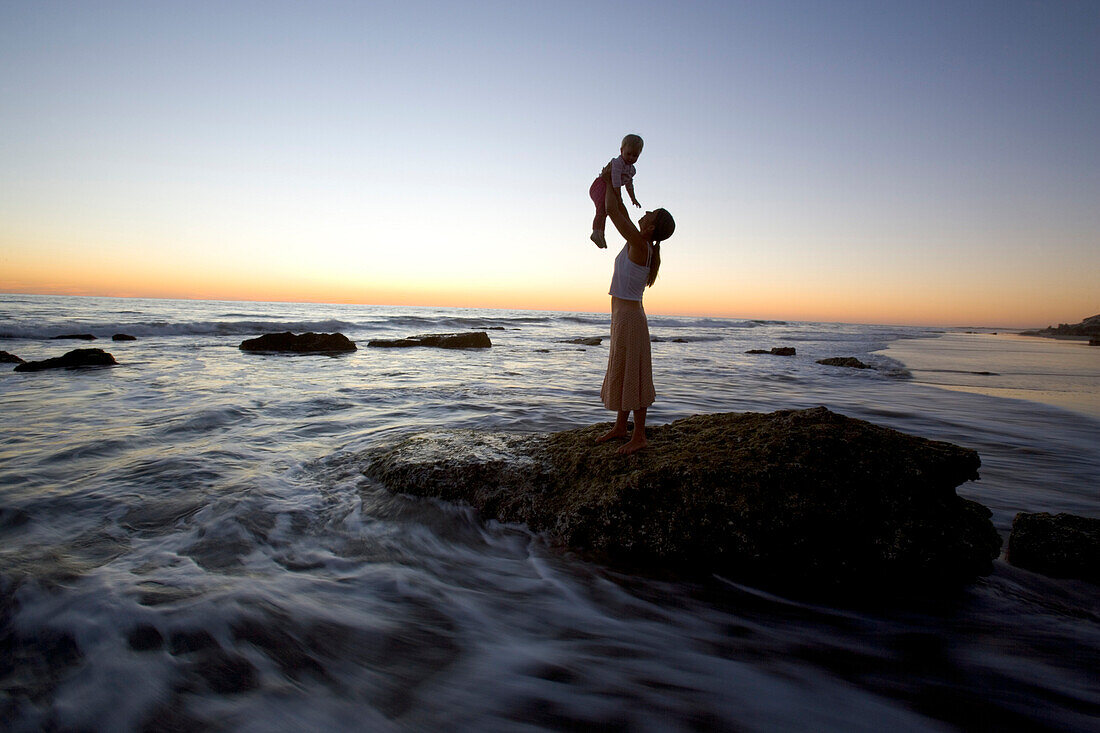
628	383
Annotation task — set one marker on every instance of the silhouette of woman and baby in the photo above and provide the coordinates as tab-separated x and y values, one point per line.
628	382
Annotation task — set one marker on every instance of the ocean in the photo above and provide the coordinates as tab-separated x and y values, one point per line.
187	541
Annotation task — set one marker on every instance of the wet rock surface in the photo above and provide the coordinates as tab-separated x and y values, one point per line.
123	337
1058	545
585	341
774	351
6	358
304	343
844	361
74	358
804	499
473	340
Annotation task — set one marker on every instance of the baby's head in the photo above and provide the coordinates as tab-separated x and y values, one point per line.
631	149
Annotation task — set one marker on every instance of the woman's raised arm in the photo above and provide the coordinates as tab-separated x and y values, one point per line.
616	211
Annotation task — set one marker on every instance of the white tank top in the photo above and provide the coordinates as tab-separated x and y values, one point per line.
628	279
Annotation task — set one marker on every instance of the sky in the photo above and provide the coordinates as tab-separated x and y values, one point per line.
933	163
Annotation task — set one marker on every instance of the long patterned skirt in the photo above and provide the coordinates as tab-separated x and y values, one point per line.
628	383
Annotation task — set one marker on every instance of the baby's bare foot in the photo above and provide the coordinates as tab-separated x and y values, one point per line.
611	435
635	445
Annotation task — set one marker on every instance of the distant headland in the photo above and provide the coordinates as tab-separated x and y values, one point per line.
1086	329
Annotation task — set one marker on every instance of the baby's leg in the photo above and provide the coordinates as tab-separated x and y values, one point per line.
599	187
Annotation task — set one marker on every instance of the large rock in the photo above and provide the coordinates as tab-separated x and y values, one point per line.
805	499
74	358
305	343
472	340
1058	545
6	358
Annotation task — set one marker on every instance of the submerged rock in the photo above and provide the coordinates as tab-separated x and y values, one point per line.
12	517
1058	545
844	361
74	358
473	340
585	341
123	337
305	343
774	351
145	638
6	358
805	499
81	336
35	664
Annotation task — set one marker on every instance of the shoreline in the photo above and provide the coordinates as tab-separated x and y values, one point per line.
1057	372
1054	336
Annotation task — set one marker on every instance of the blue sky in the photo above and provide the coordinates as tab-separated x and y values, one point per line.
868	161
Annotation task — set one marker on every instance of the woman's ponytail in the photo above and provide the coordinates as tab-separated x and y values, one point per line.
654	264
663	227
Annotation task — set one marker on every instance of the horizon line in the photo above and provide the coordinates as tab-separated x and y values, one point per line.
530	310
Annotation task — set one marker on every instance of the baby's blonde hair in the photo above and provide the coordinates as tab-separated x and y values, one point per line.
632	142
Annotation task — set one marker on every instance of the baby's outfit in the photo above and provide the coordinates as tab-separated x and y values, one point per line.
622	173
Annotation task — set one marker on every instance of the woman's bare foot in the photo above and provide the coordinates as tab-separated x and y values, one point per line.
635	445
611	435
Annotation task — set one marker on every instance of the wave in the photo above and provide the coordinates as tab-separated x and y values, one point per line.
164	328
704	322
585	319
455	322
676	322
232	315
250	325
683	339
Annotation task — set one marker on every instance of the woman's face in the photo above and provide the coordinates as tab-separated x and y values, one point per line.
648	220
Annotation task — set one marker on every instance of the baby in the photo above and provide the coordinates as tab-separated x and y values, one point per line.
622	174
